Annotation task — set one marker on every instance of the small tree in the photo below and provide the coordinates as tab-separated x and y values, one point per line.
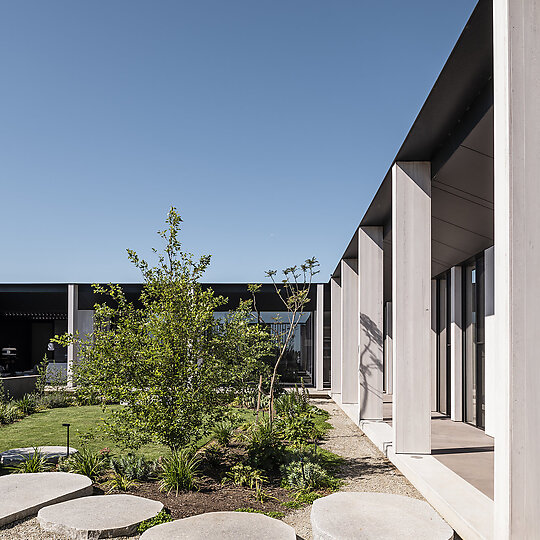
161	358
240	345
293	291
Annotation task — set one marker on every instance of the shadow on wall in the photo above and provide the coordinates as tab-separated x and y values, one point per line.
370	357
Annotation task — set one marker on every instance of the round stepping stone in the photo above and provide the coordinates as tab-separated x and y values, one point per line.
102	516
23	495
222	525
359	516
12	457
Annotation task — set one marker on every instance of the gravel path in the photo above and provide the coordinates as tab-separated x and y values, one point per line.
365	469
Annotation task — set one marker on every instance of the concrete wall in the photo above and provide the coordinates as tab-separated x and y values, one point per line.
17	387
335	335
349	331
370	306
517	260
411	306
319	338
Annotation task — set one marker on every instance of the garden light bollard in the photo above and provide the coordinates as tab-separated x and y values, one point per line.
67	444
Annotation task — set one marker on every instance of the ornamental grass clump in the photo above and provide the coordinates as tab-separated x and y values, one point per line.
35	463
85	462
179	471
223	432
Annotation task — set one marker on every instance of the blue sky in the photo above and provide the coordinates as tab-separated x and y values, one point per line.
268	124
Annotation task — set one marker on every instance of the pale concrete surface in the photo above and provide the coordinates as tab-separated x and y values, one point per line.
370	337
411	306
381	516
23	495
466	509
349	330
463	448
516	70
18	455
222	525
103	516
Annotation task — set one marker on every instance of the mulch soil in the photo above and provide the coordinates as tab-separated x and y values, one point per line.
212	496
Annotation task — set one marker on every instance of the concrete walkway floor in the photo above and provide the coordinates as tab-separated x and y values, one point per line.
463	448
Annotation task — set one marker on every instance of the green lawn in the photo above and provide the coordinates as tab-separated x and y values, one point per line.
45	428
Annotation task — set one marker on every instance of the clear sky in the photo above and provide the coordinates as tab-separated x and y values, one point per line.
269	124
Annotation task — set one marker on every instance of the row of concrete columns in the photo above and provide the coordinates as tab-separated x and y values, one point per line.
514	398
357	316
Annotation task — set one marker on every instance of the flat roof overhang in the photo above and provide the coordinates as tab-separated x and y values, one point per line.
460	99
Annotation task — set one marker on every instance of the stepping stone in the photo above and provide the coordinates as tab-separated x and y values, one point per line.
222	525
9	458
22	495
355	516
102	516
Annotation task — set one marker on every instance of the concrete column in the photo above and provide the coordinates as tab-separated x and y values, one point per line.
490	342
349	331
72	312
388	348
411	303
456	345
517	260
335	335
434	345
319	338
370	338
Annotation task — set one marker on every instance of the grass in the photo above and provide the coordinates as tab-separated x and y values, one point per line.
45	429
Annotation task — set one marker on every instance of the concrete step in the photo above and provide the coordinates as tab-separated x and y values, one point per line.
222	526
381	516
12	457
22	495
102	516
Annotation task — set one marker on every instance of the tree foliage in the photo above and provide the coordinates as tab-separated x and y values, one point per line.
166	359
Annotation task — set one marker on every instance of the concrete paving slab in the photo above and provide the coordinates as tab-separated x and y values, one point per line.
222	525
12	457
22	495
381	516
102	516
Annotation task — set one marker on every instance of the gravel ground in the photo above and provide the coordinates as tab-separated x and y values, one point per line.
365	469
28	529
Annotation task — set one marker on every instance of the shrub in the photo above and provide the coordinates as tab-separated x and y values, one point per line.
179	471
28	404
85	462
119	483
9	412
133	467
265	449
56	400
223	432
212	455
35	463
244	475
292	403
163	517
307	476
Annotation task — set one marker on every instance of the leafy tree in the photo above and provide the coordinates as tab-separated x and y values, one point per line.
241	345
164	359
